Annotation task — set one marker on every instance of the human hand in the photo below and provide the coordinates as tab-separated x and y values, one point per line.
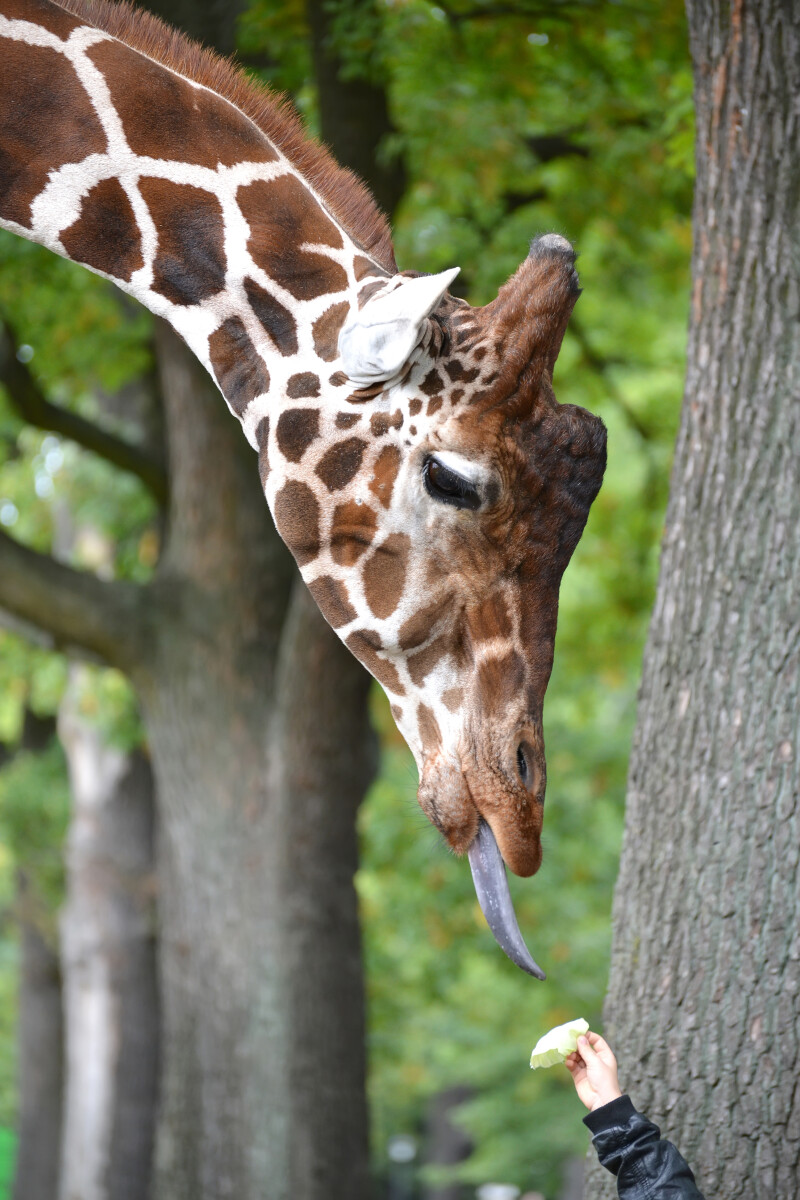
593	1068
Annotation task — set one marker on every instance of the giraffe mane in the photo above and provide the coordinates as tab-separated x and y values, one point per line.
347	198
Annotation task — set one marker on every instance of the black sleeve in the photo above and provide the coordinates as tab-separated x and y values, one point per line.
646	1166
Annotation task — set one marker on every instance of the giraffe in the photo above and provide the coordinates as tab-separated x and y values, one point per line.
411	449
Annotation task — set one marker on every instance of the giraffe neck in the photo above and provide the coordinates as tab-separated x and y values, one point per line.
145	173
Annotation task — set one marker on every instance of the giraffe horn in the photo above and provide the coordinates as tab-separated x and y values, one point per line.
494	897
376	342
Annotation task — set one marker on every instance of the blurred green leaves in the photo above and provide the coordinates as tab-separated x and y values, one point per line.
513	119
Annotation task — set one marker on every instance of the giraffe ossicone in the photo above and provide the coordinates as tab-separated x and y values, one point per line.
411	449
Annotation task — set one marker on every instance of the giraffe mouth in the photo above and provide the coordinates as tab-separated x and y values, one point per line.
494	897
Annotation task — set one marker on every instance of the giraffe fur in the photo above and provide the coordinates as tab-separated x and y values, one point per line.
431	506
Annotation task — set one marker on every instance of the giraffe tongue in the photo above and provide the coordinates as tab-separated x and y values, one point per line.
491	885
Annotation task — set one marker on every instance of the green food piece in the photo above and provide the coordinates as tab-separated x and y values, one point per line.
558	1043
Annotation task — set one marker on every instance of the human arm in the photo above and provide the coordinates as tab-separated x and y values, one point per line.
647	1167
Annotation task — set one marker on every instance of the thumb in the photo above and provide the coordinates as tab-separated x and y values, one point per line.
587	1051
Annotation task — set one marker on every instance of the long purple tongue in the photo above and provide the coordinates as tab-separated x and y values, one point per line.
491	885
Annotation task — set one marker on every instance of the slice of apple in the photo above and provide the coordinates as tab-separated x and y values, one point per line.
558	1043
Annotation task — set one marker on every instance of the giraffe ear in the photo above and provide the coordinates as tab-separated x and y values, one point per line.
376	342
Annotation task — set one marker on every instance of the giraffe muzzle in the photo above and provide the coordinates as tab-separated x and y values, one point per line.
494	897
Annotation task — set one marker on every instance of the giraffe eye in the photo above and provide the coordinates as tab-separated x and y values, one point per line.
448	486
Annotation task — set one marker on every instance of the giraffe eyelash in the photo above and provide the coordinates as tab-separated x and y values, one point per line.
444	484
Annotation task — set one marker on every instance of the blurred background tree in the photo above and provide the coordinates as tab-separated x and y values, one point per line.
479	125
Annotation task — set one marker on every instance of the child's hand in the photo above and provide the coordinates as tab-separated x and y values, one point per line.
594	1071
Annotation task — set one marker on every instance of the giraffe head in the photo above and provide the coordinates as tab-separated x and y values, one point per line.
412	451
433	499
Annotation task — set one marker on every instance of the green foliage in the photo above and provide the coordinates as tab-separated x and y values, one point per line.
475	102
575	117
34	810
8	1156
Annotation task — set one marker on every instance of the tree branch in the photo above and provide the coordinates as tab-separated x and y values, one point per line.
32	405
555	10
602	366
80	611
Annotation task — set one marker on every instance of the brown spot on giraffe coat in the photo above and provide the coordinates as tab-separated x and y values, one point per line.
326	330
422	663
432	384
500	681
276	319
46	120
106	235
419	626
384	574
362	267
165	117
339	464
490	619
306	383
384	473
238	368
352	531
190	263
49	16
380	423
296	430
429	731
365	645
369	290
332	600
297	520
262	441
283	215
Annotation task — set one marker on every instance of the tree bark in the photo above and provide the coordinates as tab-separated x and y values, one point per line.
354	110
705	975
40	1038
260	767
446	1143
108	953
40	1049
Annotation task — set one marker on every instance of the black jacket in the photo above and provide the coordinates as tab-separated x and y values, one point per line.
631	1147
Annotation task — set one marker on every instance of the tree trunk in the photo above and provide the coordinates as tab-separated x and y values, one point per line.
109	969
40	1042
446	1143
260	766
703	995
354	110
40	1036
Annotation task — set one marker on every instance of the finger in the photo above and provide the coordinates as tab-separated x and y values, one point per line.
575	1065
587	1050
599	1043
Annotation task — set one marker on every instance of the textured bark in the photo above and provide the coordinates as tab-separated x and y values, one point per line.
354	111
40	1042
705	978
260	766
259	769
40	1026
80	611
109	968
446	1143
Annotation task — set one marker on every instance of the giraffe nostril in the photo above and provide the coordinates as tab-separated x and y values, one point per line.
522	764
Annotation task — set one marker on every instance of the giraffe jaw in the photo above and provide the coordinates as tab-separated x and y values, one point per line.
494	897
